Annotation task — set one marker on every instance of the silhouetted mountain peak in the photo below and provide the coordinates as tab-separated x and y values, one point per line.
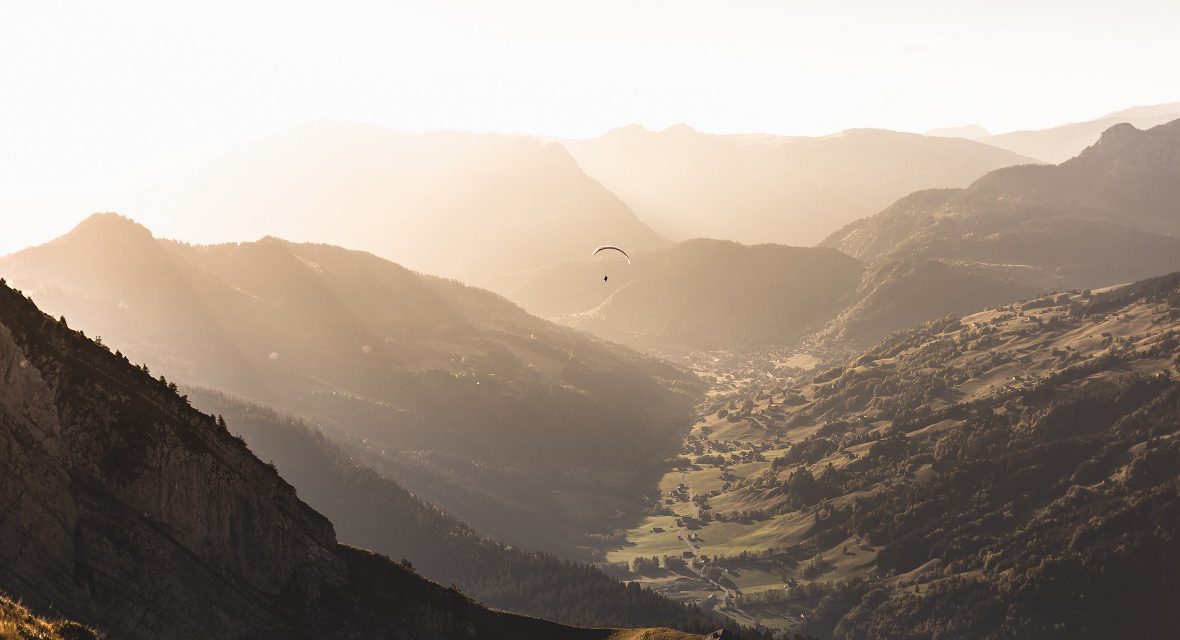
1119	132
626	131
110	223
1123	142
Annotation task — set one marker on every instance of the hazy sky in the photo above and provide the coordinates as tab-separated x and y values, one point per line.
101	95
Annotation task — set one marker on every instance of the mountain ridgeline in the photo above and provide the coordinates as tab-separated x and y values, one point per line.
460	205
1104	217
129	511
1058	144
1110	215
766	188
698	294
533	433
719	295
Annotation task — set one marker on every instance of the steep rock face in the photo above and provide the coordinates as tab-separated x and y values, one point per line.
129	511
39	515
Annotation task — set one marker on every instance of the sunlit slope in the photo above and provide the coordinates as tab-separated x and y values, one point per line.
18	623
952	478
533	432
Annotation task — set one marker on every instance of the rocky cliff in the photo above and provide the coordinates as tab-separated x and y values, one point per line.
127	510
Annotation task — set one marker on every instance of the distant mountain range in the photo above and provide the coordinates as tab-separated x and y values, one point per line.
764	188
460	205
1058	144
531	432
130	512
714	294
1110	215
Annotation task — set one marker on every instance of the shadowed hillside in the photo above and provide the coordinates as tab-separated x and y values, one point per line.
901	293
764	188
533	433
718	295
378	514
131	512
698	294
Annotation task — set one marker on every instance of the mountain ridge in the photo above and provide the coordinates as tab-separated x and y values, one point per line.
1100	218
436	383
1057	144
763	188
429	201
116	485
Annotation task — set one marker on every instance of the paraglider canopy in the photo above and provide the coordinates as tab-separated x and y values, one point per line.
608	247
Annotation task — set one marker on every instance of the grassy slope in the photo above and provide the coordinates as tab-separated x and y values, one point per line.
18	623
901	429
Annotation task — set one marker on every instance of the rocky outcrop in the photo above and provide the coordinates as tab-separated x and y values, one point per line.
130	510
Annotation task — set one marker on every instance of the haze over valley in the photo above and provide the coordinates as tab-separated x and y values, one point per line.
623	321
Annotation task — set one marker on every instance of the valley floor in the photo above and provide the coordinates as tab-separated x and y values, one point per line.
729	567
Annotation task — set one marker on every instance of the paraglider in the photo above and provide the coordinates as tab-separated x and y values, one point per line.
608	247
